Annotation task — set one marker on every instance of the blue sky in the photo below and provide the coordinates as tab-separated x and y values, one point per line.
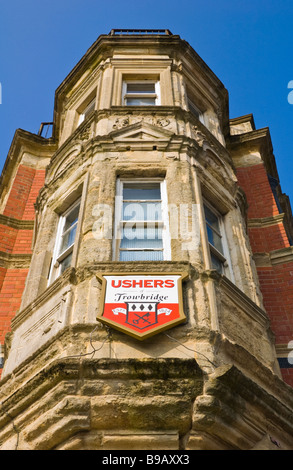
247	44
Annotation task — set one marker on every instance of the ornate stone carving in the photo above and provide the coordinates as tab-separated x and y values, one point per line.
85	133
121	122
198	135
127	121
163	122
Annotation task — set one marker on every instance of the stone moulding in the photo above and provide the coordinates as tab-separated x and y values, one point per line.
275	257
161	118
38	310
257	139
71	396
16	223
230	396
266	221
87	404
14	261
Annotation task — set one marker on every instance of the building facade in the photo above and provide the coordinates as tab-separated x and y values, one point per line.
146	264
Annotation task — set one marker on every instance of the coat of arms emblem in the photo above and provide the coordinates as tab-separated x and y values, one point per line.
141	305
141	315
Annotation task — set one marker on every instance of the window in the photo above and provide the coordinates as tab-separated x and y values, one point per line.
142	221
87	111
141	93
215	234
65	239
195	111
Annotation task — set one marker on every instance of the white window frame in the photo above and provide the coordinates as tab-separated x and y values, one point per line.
57	258
223	257
87	110
156	95
166	237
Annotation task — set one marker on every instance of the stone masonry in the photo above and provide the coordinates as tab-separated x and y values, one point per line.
220	380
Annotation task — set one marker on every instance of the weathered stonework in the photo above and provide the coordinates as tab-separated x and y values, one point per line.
70	382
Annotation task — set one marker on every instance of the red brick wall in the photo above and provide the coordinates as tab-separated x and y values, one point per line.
266	239
15	241
23	242
37	184
254	181
7	238
20	206
276	282
10	298
19	193
277	289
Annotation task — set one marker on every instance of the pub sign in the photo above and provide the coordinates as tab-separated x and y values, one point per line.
141	305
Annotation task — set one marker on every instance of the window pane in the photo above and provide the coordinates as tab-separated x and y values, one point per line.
89	108
71	218
69	229
214	239
216	263
141	191
142	211
211	218
213	229
141	88
140	101
141	256
65	263
68	239
193	109
142	238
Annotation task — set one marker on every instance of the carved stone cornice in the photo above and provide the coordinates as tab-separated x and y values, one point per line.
162	117
260	139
